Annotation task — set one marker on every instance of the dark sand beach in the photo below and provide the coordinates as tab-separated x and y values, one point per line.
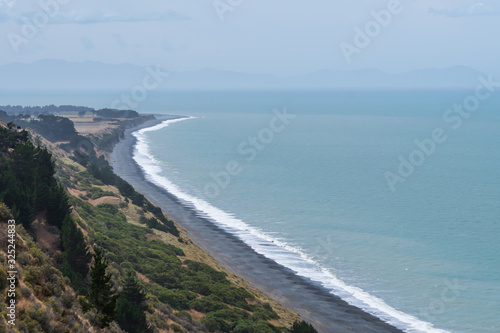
314	303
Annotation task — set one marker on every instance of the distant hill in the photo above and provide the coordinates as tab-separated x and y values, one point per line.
61	75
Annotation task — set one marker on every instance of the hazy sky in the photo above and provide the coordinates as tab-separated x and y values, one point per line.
258	36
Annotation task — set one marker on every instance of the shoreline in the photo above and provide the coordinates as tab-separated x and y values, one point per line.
314	303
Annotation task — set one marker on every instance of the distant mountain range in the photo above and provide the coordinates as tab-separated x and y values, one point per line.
61	75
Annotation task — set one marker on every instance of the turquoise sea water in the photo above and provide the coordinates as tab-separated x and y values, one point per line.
312	193
316	193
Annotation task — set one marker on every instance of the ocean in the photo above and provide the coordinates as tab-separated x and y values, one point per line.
389	199
304	179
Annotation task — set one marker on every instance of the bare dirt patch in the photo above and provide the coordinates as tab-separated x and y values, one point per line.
48	237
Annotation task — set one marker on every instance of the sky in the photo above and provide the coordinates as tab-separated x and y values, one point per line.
281	37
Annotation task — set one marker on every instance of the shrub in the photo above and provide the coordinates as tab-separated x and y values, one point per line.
26	292
42	316
208	304
185	315
5	213
60	328
38	255
177	299
67	299
126	265
84	303
176	328
32	275
110	209
3	279
264	311
97	192
302	327
29	325
52	275
213	324
232	314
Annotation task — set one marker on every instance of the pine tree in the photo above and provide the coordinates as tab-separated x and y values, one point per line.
58	206
24	163
101	296
75	256
131	307
23	166
45	165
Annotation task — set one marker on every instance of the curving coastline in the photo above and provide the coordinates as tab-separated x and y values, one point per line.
315	304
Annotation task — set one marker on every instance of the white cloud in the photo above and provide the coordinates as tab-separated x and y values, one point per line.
476	9
5	9
87	16
280	36
91	17
7	3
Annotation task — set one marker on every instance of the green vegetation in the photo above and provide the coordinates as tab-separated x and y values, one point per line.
82	110
75	257
49	303
5	214
51	127
113	113
29	188
182	284
303	327
107	176
172	289
131	306
97	192
101	294
37	110
27	180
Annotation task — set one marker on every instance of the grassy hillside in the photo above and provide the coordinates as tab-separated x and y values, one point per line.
45	301
184	288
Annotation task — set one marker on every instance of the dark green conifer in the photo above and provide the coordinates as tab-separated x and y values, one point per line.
101	295
131	306
75	256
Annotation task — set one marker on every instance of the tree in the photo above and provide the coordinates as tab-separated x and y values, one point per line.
27	183
75	256
102	296
303	327
74	244
58	207
131	306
